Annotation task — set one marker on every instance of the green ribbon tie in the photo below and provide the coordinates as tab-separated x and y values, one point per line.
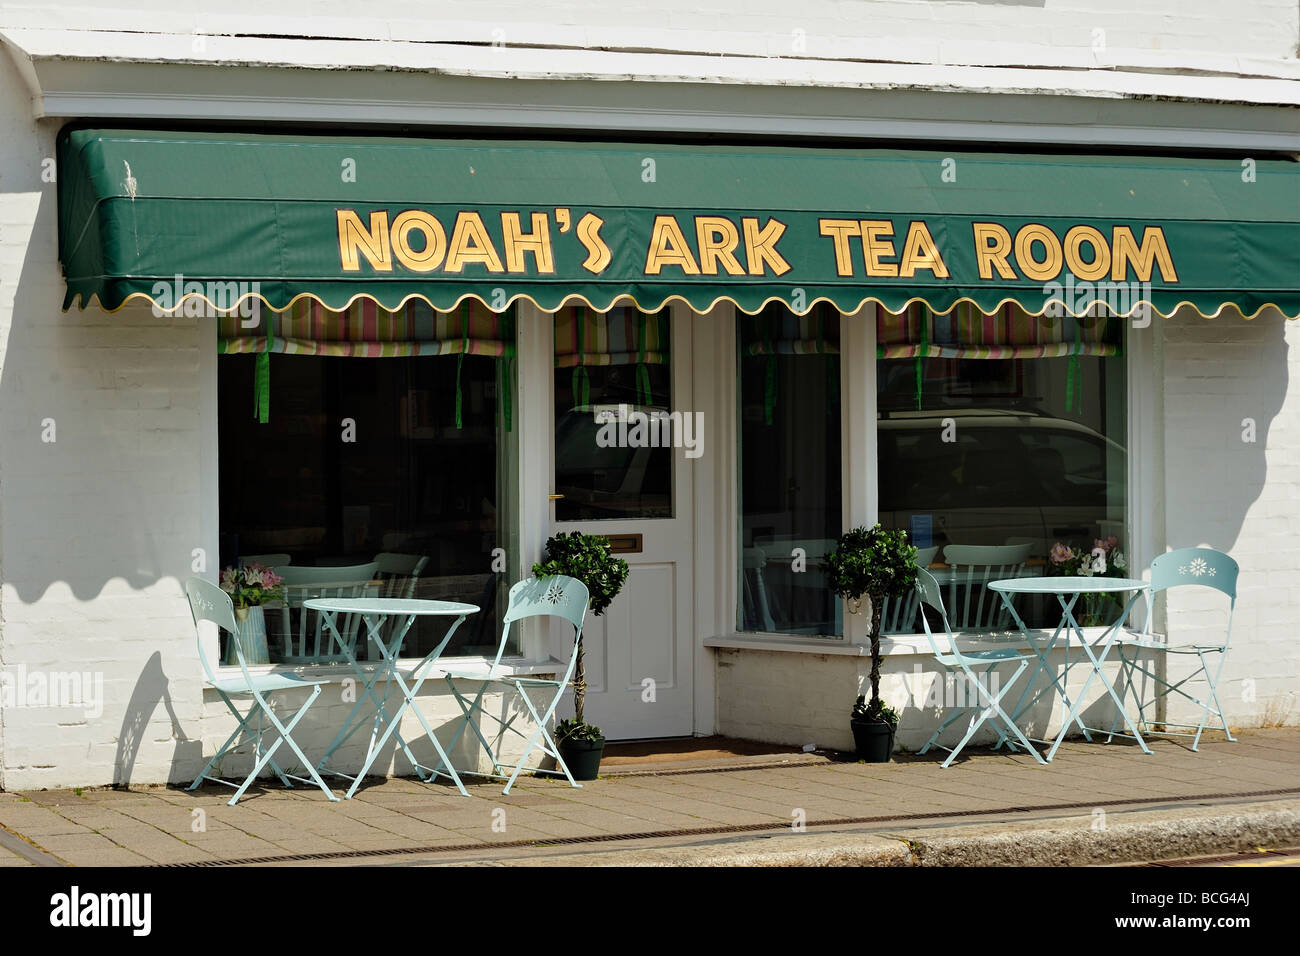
262	375
1073	382
921	357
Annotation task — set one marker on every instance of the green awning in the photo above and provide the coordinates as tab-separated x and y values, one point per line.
182	217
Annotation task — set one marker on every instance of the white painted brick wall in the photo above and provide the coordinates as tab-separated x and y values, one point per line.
1238	497
801	698
97	528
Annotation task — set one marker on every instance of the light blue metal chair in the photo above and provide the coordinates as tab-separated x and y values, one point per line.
960	664
558	596
1186	567
209	603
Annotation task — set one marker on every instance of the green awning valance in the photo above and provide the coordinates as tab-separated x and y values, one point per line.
181	218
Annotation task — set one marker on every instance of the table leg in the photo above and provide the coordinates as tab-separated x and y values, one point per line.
349	727
408	702
368	684
1110	636
374	627
1044	667
1095	661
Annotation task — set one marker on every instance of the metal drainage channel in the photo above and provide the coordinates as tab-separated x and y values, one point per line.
715	831
1242	856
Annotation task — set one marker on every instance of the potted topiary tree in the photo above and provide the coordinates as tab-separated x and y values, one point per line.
875	564
588	558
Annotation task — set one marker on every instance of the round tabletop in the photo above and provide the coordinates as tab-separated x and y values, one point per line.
364	605
1067	585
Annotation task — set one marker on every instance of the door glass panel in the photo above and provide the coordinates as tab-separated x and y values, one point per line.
614	429
790	502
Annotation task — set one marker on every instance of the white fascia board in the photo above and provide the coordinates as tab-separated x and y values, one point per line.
337	82
643	32
1225	80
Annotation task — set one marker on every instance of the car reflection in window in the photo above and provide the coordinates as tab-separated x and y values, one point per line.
1005	476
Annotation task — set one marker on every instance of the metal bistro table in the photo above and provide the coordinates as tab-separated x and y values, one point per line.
404	612
1068	591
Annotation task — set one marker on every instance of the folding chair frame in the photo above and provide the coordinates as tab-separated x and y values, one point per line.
991	703
557	596
209	603
1206	567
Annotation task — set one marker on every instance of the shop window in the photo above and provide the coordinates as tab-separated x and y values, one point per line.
790	470
408	455
1006	431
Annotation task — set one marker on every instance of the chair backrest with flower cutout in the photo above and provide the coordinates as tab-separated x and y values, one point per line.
557	595
1200	567
209	603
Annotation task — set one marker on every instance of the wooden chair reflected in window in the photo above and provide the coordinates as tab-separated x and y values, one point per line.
399	573
303	637
972	605
265	560
758	609
899	615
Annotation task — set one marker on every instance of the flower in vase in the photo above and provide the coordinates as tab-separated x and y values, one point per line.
1060	554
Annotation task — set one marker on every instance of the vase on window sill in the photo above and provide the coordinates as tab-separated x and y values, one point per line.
250	631
1099	610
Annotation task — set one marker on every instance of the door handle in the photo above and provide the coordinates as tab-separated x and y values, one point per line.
555	497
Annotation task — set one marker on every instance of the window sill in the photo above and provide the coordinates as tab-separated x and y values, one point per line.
333	673
896	645
797	645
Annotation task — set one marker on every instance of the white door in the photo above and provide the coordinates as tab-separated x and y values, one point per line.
638	654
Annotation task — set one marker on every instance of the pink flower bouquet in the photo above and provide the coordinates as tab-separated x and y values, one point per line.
252	585
1103	559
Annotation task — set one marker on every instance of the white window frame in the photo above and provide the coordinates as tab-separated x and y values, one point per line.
725	377
860	480
1142	522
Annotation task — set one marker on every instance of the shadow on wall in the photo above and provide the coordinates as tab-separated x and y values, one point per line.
1225	383
99	480
151	689
99	425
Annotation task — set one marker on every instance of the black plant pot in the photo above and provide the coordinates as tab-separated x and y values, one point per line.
873	741
582	757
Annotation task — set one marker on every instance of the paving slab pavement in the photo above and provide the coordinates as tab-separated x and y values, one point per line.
1095	803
